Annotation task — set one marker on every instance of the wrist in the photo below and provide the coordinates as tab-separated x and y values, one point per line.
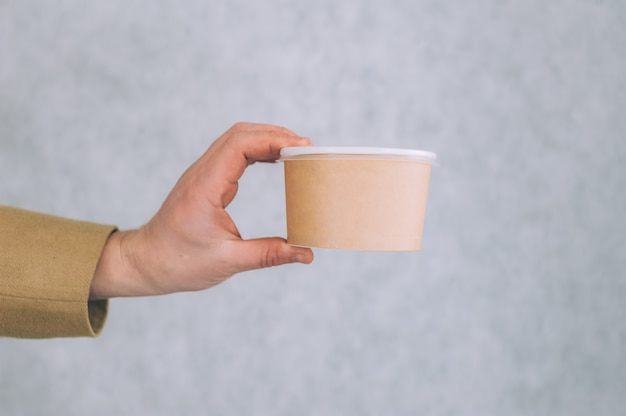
116	274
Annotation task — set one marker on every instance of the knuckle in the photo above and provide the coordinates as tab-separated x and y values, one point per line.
239	126
272	257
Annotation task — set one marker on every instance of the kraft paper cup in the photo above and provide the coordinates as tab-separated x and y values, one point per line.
356	198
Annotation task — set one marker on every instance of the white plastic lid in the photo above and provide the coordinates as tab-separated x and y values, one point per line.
315	152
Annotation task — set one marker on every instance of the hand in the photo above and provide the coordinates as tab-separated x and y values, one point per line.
192	243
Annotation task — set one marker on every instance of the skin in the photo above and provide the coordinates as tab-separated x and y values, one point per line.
192	243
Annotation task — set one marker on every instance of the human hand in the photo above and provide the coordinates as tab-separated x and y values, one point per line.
192	243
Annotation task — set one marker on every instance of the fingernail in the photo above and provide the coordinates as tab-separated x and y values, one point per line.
302	258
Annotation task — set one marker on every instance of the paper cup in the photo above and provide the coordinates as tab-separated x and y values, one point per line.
356	198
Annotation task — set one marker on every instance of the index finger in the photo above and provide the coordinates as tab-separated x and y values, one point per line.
262	142
243	144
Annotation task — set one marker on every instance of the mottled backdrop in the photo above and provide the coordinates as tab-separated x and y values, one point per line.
515	306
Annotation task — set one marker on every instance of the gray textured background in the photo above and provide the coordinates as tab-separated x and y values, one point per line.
515	306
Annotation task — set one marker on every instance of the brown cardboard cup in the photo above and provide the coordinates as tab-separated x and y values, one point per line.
356	198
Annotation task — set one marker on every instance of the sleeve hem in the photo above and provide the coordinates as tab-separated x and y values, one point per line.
47	264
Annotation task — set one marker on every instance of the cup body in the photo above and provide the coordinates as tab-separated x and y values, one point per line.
356	198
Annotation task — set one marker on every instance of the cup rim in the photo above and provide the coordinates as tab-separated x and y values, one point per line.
320	152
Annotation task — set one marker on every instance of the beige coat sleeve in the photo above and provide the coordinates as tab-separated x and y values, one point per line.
46	267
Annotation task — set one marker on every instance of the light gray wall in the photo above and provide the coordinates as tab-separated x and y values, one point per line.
515	306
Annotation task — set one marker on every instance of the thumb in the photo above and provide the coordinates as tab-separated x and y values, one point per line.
267	252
